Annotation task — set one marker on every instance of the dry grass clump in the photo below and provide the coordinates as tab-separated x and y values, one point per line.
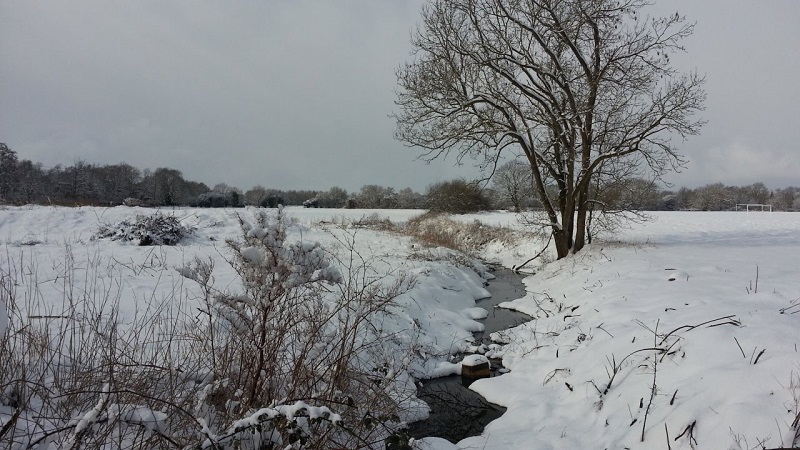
375	222
372	221
439	230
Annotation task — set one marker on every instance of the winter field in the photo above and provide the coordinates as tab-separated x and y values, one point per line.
676	333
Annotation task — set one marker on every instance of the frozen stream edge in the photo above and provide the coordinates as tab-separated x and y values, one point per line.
457	412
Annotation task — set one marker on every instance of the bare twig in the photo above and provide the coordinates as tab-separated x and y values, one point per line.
756	289
740	347
691	327
666	430
617	367
759	356
653	387
517	268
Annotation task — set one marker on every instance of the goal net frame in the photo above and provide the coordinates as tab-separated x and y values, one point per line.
759	207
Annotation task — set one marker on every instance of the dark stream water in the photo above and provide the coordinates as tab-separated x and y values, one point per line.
456	411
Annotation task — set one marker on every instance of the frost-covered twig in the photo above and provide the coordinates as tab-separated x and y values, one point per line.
91	417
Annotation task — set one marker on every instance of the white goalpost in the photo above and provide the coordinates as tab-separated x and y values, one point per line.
753	207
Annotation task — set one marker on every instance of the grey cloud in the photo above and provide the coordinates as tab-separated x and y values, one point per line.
297	94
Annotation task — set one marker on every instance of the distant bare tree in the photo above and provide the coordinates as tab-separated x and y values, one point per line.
456	196
77	182
514	183
255	195
372	196
756	193
31	181
573	84
8	168
336	197
786	198
713	197
116	182
684	198
409	199
167	187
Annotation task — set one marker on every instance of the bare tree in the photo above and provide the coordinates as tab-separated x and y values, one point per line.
713	197
575	85
170	188
372	196
756	193
786	198
31	181
335	197
514	183
456	196
77	182
407	198
8	168
116	182
255	195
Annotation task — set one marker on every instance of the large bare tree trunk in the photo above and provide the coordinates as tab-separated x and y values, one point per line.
580	221
562	243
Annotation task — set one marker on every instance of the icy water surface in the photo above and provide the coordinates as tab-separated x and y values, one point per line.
456	411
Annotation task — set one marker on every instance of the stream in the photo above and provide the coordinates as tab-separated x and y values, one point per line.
456	411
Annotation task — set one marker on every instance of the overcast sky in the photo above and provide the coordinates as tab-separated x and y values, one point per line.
297	94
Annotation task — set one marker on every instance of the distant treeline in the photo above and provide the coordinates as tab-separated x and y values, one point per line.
714	197
26	182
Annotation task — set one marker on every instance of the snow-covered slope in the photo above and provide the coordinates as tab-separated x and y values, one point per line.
662	341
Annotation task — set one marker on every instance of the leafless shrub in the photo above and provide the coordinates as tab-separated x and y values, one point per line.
300	331
424	228
56	359
295	359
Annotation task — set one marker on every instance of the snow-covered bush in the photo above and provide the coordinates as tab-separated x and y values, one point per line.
156	229
131	201
299	330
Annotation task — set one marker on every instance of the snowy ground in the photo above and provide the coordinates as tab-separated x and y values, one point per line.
53	261
676	307
700	305
43	243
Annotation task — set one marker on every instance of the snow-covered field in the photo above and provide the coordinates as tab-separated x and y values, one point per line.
45	246
54	267
686	336
682	330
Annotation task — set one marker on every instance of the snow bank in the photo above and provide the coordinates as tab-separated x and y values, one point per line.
664	334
